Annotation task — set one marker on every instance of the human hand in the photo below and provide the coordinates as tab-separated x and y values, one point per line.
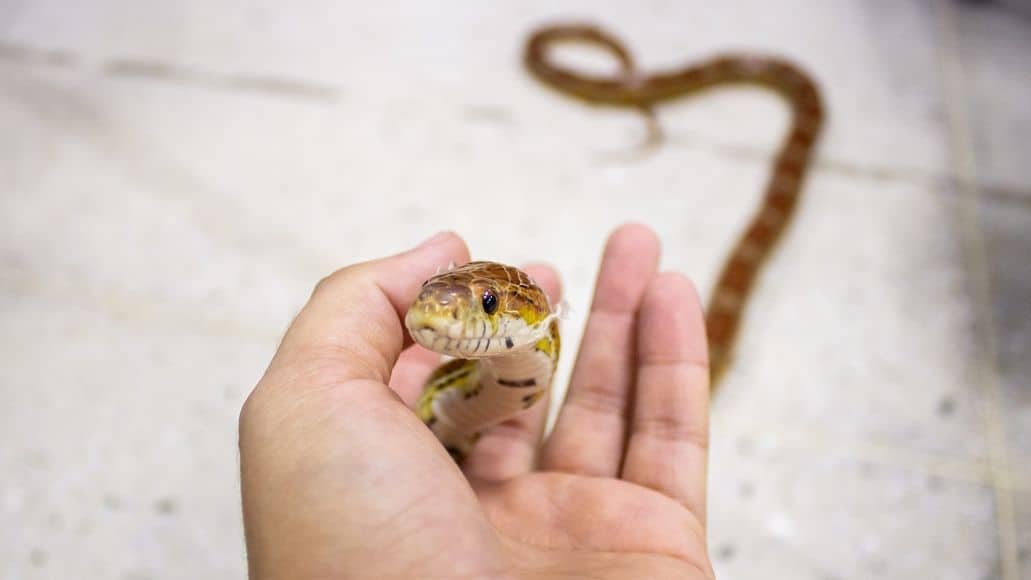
341	480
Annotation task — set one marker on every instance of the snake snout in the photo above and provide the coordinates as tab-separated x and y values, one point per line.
439	310
423	317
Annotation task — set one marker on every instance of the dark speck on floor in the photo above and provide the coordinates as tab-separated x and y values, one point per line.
38	557
166	506
112	502
934	483
745	446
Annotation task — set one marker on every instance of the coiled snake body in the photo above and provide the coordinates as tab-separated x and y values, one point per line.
501	324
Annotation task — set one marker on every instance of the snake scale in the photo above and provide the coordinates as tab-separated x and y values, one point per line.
500	325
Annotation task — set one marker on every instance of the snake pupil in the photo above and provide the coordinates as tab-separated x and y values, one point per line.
490	302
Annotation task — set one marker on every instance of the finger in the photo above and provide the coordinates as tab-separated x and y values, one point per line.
411	371
510	448
590	432
352	327
669	430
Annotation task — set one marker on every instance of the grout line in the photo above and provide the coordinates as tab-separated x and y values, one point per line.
270	85
273	85
986	367
284	87
33	56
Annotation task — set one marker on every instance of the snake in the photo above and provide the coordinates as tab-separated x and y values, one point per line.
503	333
500	327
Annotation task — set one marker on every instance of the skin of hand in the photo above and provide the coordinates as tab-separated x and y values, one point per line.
341	480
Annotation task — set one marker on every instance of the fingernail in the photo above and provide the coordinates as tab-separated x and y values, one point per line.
434	239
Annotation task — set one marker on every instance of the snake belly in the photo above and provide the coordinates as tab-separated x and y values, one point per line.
503	334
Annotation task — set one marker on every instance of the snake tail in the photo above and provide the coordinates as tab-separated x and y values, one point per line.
633	88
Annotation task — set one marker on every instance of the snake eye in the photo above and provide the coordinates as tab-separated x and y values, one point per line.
490	302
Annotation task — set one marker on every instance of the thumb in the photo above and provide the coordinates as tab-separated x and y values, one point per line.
352	327
329	457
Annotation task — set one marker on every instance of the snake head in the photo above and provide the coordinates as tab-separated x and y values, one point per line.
477	310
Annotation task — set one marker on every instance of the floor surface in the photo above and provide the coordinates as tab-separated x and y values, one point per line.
175	177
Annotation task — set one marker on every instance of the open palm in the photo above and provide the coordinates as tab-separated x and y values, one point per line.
340	480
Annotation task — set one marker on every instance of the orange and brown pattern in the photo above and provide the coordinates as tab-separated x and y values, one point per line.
516	291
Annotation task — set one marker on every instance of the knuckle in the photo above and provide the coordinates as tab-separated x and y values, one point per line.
334	280
250	413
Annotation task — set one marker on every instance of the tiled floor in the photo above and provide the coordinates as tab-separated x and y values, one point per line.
174	177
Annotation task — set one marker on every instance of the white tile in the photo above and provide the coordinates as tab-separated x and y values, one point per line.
778	511
121	454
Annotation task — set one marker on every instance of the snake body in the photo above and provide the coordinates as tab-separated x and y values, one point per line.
500	324
632	88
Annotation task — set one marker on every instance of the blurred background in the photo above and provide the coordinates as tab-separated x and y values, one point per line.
175	178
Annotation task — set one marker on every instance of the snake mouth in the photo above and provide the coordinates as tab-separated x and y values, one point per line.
434	330
470	339
451	343
433	340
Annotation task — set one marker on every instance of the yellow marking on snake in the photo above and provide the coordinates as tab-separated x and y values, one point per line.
504	333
